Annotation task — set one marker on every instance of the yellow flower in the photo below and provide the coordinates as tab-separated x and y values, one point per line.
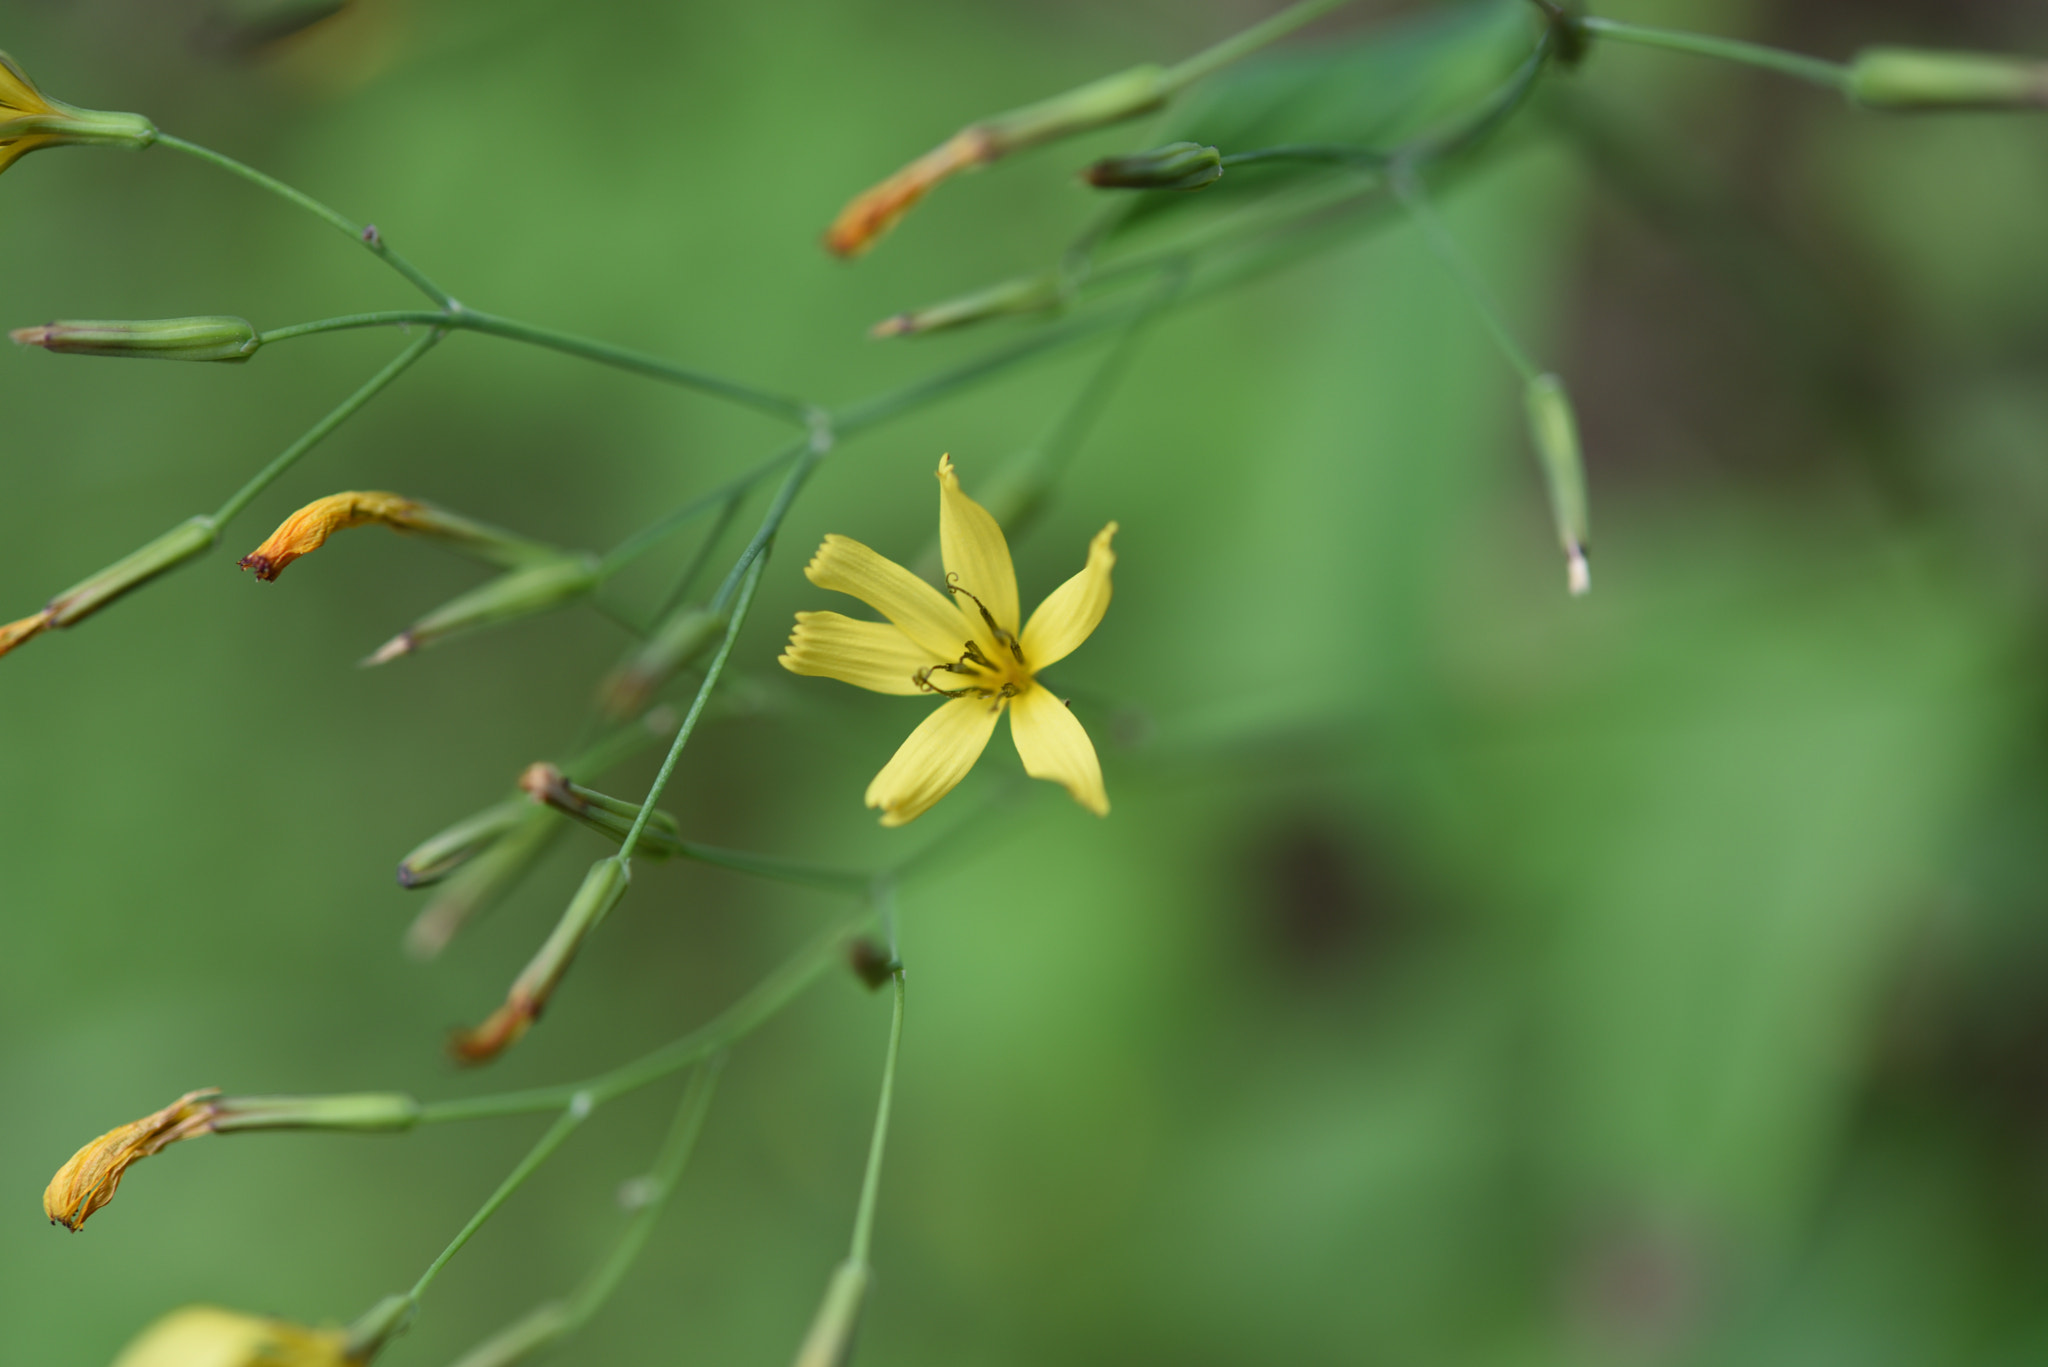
969	651
30	119
88	1181
203	1336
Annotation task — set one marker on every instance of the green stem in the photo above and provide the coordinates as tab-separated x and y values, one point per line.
717	667
1408	189
263	478
777	870
1832	75
1213	59
644	540
385	319
871	1183
363	236
574	1112
766	998
668	1169
639	363
781	406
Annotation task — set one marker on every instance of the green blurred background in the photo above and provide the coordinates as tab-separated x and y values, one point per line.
1467	974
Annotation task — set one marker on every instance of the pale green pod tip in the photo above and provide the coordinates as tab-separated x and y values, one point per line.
521	593
830	1340
677	641
1927	80
1026	294
356	1111
1554	429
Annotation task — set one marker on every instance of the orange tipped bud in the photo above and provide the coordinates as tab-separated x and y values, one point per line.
83	599
876	210
90	1179
307	530
602	888
204	1336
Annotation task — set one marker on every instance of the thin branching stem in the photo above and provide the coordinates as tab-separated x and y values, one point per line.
1213	59
575	1111
347	409
1409	190
362	234
1814	71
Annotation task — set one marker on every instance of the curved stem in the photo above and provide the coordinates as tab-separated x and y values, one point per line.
374	386
644	540
364	236
385	319
1408	189
1831	75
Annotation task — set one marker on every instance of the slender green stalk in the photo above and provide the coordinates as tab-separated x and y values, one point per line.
574	1112
644	540
350	321
1832	75
717	667
661	1184
374	386
871	1183
760	1004
1214	59
1408	189
363	235
640	363
687	580
777	870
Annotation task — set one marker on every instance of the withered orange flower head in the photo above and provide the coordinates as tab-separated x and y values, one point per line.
307	530
874	211
89	1180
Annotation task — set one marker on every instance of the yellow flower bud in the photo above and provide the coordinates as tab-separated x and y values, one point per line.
89	1180
204	1336
30	119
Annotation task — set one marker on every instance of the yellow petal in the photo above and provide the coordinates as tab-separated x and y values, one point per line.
977	559
1071	611
1053	744
843	565
202	1336
937	756
870	655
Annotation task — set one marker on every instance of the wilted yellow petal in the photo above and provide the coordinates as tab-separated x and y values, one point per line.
203	1336
1071	612
307	529
934	759
843	565
1053	745
870	655
89	1180
977	559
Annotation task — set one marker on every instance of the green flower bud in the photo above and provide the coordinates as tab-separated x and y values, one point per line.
1029	294
167	339
522	593
440	855
680	638
1176	166
1555	431
610	817
479	884
363	1111
167	552
1910	79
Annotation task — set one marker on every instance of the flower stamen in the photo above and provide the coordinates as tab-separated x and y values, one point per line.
1005	638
